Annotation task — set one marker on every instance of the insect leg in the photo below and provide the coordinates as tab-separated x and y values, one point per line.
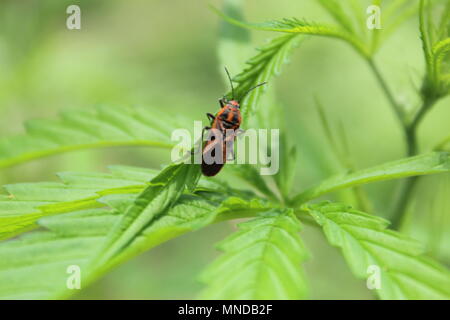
211	117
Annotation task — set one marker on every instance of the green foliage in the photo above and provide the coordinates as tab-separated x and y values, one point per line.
97	128
261	68
162	191
338	12
351	26
436	47
252	176
34	266
431	163
261	261
364	241
27	202
352	16
298	26
98	221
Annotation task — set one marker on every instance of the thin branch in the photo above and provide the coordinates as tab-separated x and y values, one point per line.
387	91
408	187
410	135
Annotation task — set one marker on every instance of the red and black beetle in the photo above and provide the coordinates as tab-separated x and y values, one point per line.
223	129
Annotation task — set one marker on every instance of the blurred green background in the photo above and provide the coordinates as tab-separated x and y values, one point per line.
163	54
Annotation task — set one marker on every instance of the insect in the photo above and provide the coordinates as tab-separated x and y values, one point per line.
223	129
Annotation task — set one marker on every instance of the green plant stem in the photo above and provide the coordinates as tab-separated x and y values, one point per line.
402	203
387	92
410	140
409	185
411	129
410	136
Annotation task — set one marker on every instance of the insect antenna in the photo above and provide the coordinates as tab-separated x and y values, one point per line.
231	83
253	88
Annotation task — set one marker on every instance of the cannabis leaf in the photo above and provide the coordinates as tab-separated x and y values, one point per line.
162	191
75	238
97	221
304	27
72	239
430	163
27	202
82	129
261	261
340	14
261	68
253	177
436	47
352	17
365	242
352	24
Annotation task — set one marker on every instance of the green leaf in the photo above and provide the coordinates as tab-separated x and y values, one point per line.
436	46
234	48
252	176
261	68
440	50
27	202
261	261
430	163
34	266
404	272
398	12
338	12
162	192
352	17
83	129
221	208
297	26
